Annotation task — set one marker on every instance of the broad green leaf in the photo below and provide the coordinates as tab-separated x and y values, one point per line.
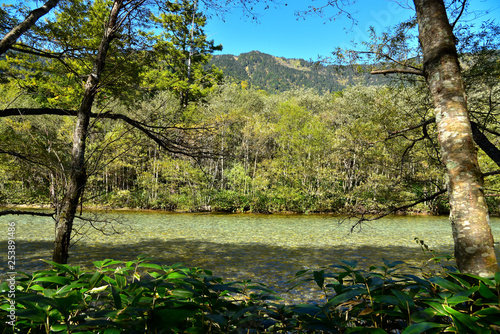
424	315
35	315
54	279
112	331
319	278
217	318
488	311
58	328
307	309
392	264
95	279
98	289
352	263
405	301
175	274
150	265
486	292
362	330
348	295
182	293
116	298
422	327
386	299
438	307
467	320
446	284
121	281
457	300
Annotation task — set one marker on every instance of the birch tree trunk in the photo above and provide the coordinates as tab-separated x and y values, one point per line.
474	248
78	177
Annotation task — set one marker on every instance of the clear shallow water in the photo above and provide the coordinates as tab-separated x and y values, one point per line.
264	248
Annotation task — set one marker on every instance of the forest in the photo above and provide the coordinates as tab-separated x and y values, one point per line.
250	150
115	104
278	74
296	151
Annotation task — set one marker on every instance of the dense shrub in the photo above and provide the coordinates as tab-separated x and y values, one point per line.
143	297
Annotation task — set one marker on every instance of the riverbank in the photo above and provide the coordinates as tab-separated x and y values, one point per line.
27	207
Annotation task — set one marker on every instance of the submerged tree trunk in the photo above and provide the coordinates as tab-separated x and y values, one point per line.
474	248
78	177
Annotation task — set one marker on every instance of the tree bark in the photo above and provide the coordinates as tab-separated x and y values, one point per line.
78	177
474	247
12	36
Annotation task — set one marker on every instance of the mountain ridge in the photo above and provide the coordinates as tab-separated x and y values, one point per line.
277	74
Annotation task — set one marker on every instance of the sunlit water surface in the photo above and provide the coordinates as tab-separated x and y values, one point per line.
264	248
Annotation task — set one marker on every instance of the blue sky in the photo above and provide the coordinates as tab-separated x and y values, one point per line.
278	31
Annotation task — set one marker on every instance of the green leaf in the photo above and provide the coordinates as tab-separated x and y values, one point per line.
319	278
352	264
53	279
116	298
467	320
35	315
392	264
405	301
438	307
339	299
150	265
488	311
446	284
112	331
424	315
121	281
422	327
362	330
175	274
73	271
486	292
58	328
457	300
182	293
95	279
386	299
307	309
217	318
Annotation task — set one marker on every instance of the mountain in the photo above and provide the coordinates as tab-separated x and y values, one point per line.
277	74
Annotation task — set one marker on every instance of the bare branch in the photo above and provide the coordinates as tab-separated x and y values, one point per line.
496	172
399	71
485	144
413	127
459	15
394	210
172	146
29	213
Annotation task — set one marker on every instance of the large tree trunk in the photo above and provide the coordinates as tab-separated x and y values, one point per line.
474	248
78	177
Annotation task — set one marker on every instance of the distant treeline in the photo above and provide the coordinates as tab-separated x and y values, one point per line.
297	151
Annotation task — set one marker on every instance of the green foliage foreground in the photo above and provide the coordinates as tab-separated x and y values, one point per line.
143	297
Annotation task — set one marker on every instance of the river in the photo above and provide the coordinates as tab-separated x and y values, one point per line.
264	248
